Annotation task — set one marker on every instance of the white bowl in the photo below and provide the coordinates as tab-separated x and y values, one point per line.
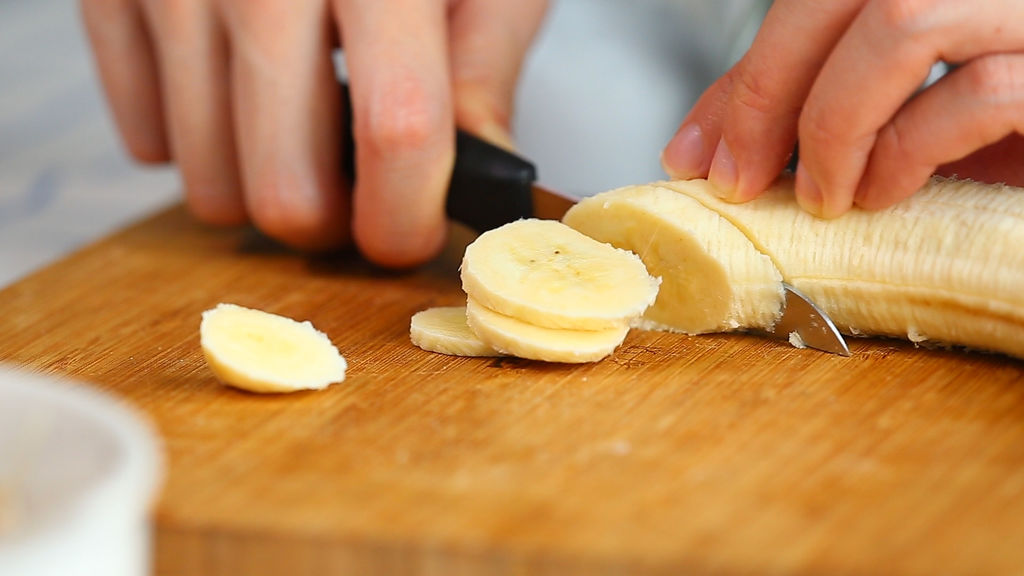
78	472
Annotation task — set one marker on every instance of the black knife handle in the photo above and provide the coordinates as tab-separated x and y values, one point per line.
489	185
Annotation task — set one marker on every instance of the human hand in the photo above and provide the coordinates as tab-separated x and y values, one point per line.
242	96
844	76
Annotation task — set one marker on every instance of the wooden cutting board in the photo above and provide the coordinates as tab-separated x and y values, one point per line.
714	454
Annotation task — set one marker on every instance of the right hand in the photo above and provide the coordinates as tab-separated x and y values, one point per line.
242	96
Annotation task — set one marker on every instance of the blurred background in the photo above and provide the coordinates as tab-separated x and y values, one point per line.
603	90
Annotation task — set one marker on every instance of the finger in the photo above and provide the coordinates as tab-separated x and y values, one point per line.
881	61
404	128
975	106
688	154
769	86
488	41
286	117
127	69
194	74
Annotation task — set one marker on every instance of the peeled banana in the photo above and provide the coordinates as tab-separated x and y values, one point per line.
262	352
944	266
444	330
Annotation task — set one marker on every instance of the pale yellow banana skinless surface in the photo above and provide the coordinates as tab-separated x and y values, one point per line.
518	338
543	272
262	352
713	278
945	266
443	329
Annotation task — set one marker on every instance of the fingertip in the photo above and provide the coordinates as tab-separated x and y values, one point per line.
724	173
217	208
808	194
393	247
303	216
149	149
686	155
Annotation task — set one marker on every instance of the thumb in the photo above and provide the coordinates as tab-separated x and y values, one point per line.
488	43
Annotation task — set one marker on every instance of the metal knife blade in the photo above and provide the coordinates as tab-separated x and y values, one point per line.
811	325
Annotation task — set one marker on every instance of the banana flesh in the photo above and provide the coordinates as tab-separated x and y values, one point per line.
262	352
515	337
444	330
713	277
944	266
546	274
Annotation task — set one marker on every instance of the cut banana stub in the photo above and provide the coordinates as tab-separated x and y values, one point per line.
444	330
262	352
943	266
518	338
714	279
544	273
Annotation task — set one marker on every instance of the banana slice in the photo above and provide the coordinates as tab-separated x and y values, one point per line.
544	273
263	352
519	338
444	330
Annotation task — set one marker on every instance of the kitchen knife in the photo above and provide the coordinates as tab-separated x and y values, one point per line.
491	186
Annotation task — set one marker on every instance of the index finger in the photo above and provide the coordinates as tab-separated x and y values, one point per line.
397	58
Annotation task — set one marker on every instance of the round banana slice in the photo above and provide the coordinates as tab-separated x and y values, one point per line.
524	340
444	330
262	352
543	272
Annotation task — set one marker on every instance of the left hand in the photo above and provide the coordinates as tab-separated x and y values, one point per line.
844	76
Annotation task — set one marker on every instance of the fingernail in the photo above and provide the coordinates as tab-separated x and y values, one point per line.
684	155
723	175
808	195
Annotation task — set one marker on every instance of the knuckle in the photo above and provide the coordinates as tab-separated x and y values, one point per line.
146	150
212	199
406	119
908	18
751	89
897	140
992	80
264	19
819	128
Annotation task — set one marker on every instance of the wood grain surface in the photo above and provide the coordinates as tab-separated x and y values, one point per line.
718	454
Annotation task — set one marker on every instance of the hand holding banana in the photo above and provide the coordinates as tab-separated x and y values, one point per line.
843	77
